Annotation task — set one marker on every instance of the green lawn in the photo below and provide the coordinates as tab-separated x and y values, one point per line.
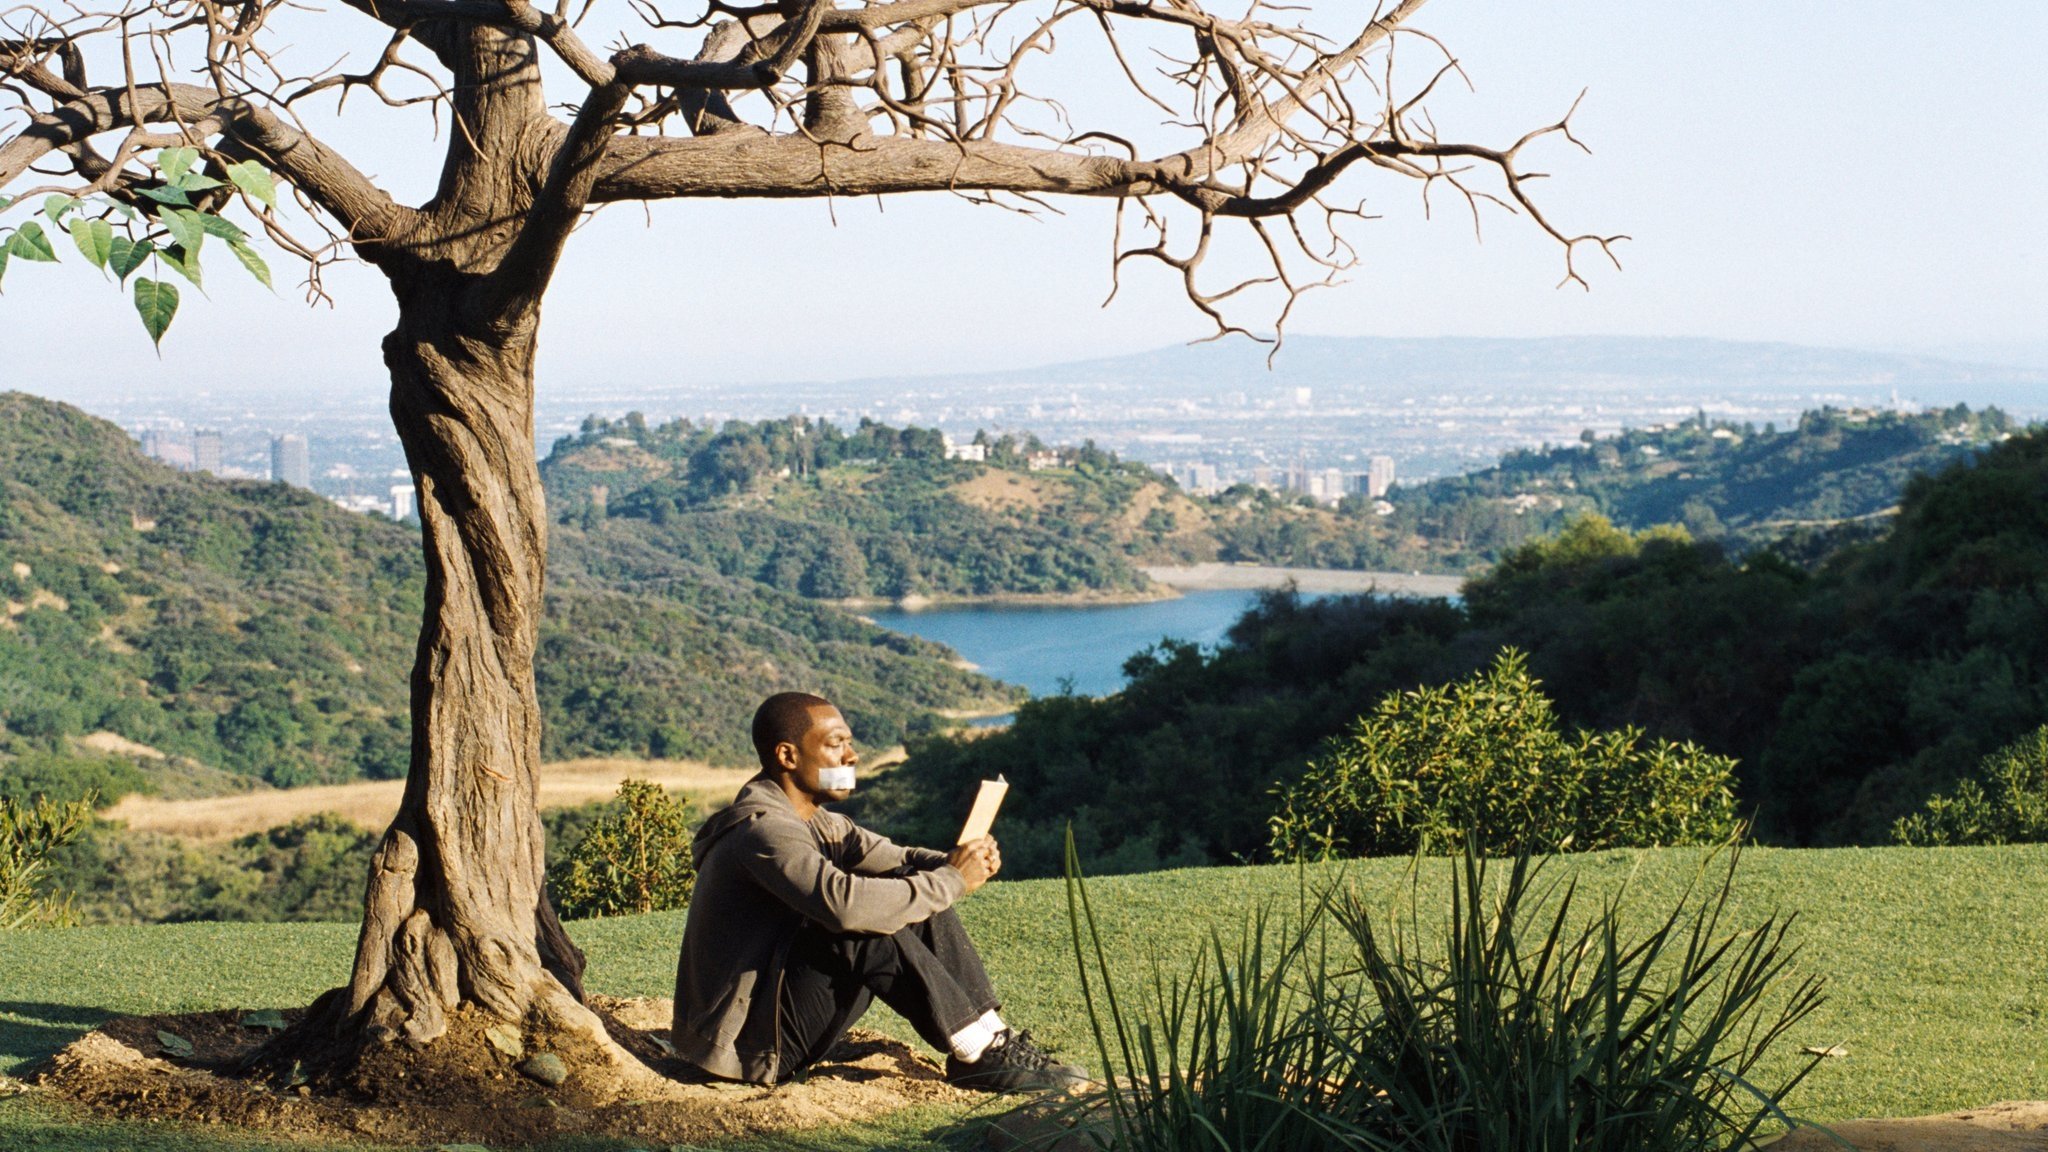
1934	958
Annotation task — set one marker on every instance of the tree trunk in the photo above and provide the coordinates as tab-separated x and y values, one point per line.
456	911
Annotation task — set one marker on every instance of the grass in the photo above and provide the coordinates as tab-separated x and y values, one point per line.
1933	958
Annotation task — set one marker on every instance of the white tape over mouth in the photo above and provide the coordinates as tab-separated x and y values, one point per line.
836	779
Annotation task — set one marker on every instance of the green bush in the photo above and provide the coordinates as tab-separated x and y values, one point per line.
60	778
29	832
1483	759
2009	807
635	858
1527	1023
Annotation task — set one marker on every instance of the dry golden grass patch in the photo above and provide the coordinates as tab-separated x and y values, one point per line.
999	490
372	803
115	744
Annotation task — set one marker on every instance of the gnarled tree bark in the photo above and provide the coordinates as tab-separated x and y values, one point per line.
456	907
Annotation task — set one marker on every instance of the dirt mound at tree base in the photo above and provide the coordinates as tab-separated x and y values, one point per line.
2011	1126
210	1068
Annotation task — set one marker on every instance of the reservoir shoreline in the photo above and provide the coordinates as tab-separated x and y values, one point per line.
1170	582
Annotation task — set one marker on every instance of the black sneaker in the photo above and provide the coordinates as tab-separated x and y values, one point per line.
1013	1063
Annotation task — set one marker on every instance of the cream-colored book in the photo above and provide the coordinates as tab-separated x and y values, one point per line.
982	816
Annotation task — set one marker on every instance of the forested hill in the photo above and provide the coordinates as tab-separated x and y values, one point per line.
1714	478
252	630
880	512
876	512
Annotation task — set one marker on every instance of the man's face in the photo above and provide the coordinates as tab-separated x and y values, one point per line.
827	744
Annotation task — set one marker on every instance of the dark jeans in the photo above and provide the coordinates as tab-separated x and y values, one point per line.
928	972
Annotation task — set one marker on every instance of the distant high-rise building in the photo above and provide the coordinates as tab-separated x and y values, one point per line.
206	451
1199	478
404	502
1380	476
162	446
289	461
1327	484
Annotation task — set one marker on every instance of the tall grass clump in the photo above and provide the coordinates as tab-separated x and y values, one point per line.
1525	1020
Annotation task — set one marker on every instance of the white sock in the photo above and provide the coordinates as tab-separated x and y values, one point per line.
970	1042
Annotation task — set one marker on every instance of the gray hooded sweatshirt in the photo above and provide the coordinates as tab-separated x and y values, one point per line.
762	872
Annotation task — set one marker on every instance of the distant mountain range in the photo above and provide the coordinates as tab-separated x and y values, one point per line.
1346	368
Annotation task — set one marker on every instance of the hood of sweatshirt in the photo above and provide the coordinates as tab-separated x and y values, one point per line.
757	798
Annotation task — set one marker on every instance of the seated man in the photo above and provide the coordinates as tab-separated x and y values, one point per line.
801	918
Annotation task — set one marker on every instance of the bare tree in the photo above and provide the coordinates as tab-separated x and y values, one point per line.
141	124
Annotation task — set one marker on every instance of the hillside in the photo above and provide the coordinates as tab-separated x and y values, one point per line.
876	512
250	631
880	512
1715	478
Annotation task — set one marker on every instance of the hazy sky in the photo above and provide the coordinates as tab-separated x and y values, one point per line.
1822	171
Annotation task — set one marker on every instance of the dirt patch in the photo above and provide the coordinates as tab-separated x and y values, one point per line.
2012	1126
480	1083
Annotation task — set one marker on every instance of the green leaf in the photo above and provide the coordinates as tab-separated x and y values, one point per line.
29	243
186	227
196	182
95	240
56	205
266	1018
124	256
156	301
175	162
182	262
250	260
222	227
173	1043
167	195
3	260
254	179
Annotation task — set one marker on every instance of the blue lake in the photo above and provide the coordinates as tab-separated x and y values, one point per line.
1042	647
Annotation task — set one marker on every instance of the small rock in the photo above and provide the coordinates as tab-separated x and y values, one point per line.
545	1067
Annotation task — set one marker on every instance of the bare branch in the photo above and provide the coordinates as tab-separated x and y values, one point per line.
360	206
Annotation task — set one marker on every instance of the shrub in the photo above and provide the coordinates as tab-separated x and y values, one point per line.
1484	759
2009	807
1528	1023
635	858
29	832
61	778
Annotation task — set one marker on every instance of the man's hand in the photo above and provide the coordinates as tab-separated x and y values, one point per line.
977	860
